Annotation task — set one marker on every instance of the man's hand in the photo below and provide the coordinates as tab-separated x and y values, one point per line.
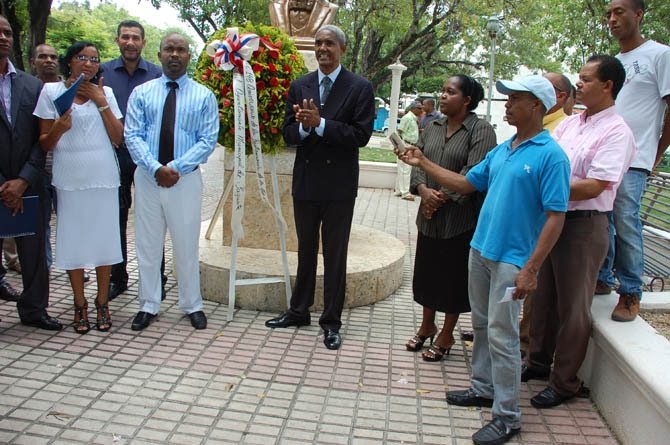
308	114
11	193
526	283
411	156
166	176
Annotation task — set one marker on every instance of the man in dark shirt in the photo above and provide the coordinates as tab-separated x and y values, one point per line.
122	75
429	113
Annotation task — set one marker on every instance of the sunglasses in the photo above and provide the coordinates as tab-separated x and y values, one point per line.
82	58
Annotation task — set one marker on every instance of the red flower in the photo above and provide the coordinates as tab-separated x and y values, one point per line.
232	130
226	102
287	69
217	76
293	57
274	82
265	115
204	77
285	94
274	130
272	67
279	43
260	85
286	83
225	90
274	54
208	72
261	127
261	49
257	68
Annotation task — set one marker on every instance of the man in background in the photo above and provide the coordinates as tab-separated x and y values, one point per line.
122	75
642	103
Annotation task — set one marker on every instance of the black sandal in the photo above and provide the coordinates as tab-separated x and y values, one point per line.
416	343
104	318
81	324
436	353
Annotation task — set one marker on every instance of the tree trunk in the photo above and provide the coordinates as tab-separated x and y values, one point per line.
38	11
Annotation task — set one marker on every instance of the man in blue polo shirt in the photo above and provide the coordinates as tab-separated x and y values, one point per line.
526	180
122	75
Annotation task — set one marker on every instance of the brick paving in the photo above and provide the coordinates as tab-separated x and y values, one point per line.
241	383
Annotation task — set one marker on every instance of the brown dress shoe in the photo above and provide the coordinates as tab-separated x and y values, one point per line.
627	308
602	288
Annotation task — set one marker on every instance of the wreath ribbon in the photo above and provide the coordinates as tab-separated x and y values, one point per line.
233	54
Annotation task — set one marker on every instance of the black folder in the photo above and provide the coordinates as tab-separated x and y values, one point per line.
21	224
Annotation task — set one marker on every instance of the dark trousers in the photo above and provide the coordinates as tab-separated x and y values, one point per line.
35	275
561	315
333	220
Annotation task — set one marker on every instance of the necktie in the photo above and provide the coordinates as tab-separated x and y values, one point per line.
327	84
166	141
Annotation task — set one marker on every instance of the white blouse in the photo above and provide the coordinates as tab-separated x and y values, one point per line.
84	156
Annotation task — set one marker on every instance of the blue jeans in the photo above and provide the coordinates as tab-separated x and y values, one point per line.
626	251
496	360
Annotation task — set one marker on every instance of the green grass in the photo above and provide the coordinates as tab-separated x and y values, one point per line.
376	155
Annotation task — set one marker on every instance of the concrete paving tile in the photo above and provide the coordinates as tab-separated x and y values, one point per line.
30	439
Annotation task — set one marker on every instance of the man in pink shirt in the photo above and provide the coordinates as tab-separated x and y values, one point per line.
600	147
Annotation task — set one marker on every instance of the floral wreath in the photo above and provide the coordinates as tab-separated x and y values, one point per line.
276	64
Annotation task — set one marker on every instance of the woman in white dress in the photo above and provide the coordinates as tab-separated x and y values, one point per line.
86	177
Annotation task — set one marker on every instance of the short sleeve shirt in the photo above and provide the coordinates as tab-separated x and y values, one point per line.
521	185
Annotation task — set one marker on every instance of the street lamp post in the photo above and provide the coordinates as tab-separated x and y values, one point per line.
396	73
493	28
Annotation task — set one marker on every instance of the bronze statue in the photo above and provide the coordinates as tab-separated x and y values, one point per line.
302	18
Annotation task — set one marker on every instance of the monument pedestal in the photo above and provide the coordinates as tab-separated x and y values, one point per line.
374	265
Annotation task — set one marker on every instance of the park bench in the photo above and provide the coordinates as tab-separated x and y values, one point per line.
655	216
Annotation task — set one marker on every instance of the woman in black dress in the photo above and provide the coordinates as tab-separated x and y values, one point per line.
446	220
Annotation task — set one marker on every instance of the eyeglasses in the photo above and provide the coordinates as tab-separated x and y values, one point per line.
47	56
84	59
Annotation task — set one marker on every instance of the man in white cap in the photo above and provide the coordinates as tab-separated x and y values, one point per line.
526	180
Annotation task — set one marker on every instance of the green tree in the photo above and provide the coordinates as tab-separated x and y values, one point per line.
207	16
73	21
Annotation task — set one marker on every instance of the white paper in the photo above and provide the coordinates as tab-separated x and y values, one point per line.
508	294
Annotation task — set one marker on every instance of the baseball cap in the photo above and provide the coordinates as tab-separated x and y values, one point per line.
538	86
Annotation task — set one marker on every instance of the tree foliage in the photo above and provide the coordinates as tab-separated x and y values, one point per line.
74	21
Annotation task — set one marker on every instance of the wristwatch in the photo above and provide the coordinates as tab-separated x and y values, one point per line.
101	109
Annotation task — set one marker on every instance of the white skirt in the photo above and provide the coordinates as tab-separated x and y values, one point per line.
87	228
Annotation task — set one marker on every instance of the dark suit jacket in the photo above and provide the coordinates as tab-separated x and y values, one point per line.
326	168
20	153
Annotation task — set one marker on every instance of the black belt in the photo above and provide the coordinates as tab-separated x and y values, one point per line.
641	170
583	213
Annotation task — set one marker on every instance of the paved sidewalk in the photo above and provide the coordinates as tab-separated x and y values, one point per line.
241	383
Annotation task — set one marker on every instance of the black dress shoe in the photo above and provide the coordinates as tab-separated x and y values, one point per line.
332	339
467	336
44	322
116	289
198	319
467	397
548	398
528	373
7	291
141	320
494	433
286	320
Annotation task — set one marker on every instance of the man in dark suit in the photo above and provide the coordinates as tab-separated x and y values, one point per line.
329	115
21	174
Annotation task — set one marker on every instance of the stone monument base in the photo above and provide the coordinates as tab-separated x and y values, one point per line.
374	271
